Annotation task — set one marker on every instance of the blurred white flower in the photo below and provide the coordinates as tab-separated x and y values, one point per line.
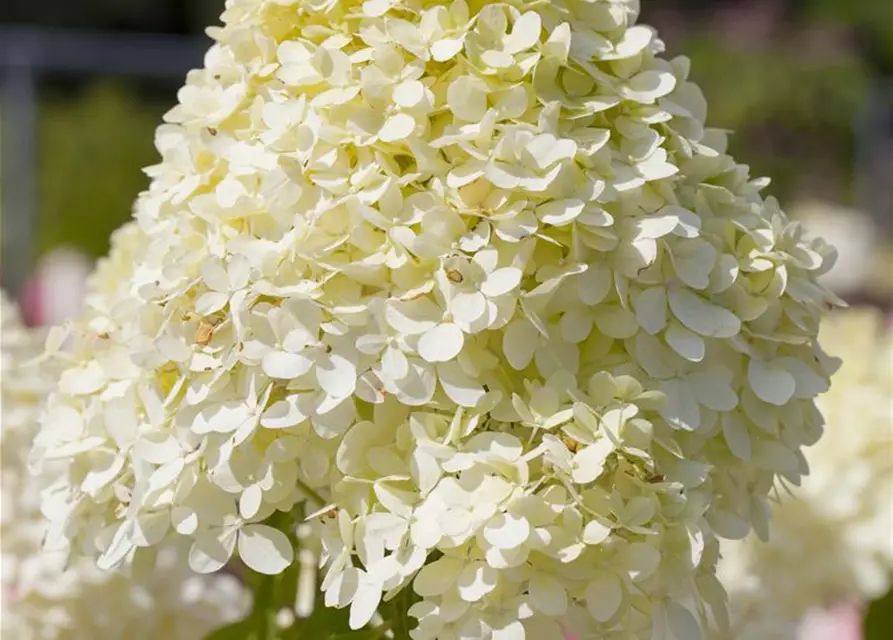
856	242
46	598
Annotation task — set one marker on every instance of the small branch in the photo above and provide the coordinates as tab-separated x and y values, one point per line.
309	493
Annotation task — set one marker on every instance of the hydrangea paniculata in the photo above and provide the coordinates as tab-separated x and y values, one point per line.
477	276
43	597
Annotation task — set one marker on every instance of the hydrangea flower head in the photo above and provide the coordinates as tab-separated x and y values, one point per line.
845	504
45	598
475	275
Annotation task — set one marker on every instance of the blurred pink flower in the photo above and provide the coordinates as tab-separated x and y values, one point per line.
55	291
841	622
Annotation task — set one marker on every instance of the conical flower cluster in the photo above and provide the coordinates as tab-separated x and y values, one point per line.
476	279
831	539
42	598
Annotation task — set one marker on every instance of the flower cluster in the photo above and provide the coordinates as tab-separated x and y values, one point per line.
42	597
830	540
476	277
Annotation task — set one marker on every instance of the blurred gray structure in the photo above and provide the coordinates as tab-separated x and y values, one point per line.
874	156
28	54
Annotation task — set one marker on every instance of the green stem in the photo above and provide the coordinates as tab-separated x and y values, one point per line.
310	493
261	613
399	622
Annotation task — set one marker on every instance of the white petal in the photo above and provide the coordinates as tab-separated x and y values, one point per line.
397	127
184	520
340	588
647	86
693	262
519	342
250	501
417	388
365	601
467	307
682	623
681	409
576	324
713	391
475	581
559	212
212	549
83	380
633	41
651	309
640	560
548	594
336	375
223	417
442	343
513	630
394	364
501	281
615	322
210	302
285	413
157	448
265	549
546	150
119	547
771	384
656	226
774	456
594	284
590	462
595	532
436	578
525	33
413	317
467	98
333	416
285	365
409	93
736	435
703	317
809	383
447	48
506	531
686	343
459	386
604	595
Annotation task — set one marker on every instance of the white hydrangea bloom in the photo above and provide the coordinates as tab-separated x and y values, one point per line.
45	599
477	276
831	539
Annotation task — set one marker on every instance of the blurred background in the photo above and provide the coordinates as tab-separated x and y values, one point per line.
807	85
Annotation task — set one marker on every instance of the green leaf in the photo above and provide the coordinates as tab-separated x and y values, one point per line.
242	630
323	623
396	613
878	623
362	634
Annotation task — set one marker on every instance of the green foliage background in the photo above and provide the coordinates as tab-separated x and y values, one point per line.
93	145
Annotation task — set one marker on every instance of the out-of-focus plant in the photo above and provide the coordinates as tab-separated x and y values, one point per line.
792	113
92	149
